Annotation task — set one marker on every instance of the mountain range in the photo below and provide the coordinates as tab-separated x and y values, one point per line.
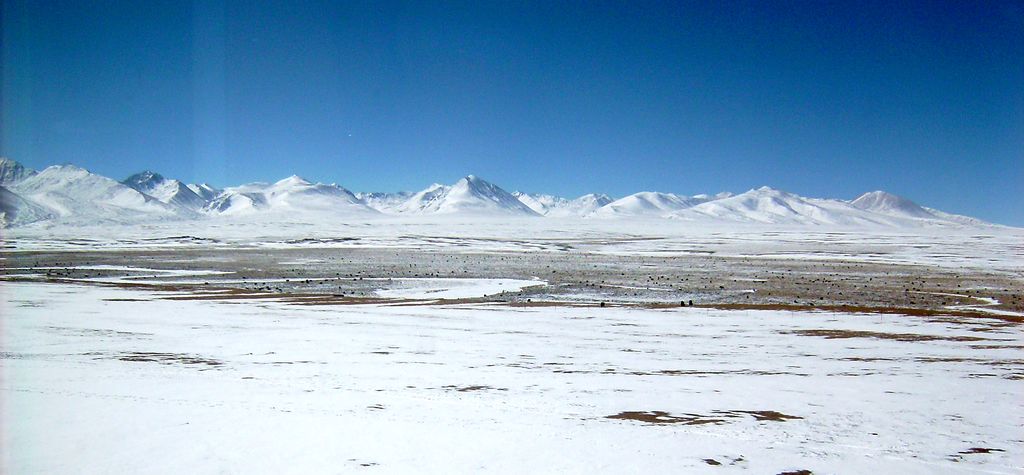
68	194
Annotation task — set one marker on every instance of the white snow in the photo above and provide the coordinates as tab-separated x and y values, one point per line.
468	196
168	191
15	210
887	203
290	196
204	191
12	172
452	288
648	203
106	380
556	207
994	248
80	197
68	195
385	202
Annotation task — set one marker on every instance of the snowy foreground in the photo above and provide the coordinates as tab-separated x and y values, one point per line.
111	380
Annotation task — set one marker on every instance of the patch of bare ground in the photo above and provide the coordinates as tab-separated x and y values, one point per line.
906	337
797	472
980	450
716	417
466	389
959	456
661	417
997	347
728	459
167	358
768	415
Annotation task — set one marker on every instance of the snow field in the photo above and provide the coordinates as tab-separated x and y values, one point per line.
100	380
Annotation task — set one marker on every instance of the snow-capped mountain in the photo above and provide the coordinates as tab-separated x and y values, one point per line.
15	210
470	195
554	206
768	205
12	172
172	192
71	195
74	193
384	202
650	204
891	205
293	195
587	204
204	191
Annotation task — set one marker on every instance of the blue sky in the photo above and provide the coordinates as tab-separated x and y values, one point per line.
828	99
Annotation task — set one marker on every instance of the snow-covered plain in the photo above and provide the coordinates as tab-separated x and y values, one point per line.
112	380
989	248
449	288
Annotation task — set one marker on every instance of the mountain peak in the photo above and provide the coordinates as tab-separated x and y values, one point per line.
12	172
67	190
146	174
471	194
144	179
293	180
880	194
67	170
887	203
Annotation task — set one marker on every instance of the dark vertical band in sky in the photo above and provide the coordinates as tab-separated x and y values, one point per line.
209	97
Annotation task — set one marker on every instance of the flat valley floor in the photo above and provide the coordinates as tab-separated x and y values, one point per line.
356	350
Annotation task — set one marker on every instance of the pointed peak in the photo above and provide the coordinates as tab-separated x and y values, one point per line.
766	191
882	198
12	172
294	180
878	194
473	181
144	176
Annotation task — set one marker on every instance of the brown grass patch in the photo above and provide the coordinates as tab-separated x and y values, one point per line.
466	389
980	450
716	417
167	358
661	417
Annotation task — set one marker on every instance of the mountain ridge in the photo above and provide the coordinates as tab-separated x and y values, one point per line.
70	194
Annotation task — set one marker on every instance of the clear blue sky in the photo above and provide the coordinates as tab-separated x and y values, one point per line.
828	99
